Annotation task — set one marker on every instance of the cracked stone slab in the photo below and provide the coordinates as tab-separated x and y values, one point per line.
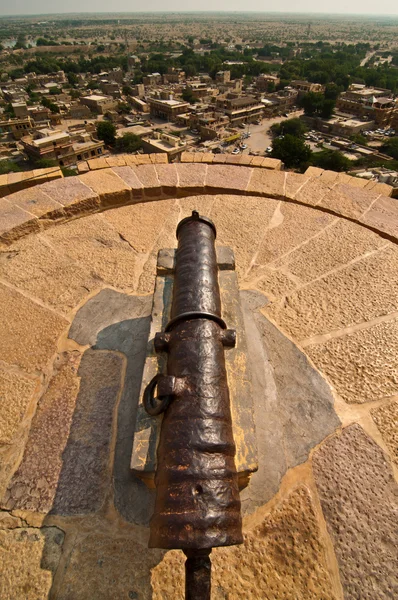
359	501
386	419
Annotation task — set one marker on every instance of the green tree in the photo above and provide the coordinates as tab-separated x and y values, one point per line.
129	142
332	160
292	151
312	103
188	96
391	147
8	166
327	108
124	108
72	78
106	131
294	127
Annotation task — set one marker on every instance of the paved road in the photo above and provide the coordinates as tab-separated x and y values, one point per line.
260	138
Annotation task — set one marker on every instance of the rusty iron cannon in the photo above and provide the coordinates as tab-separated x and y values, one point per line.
197	504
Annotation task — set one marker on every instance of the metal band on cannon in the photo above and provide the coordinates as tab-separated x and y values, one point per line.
197	497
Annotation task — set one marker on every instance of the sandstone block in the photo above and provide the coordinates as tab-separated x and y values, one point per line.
129	175
358	497
347	200
110	187
227	179
116	161
360	292
313	191
168	179
16	393
148	177
32	266
267	183
15	222
29	559
97	247
74	196
383	215
29	337
361	366
386	419
191	178
35	201
97	163
187	157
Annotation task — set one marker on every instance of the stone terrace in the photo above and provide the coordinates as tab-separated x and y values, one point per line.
317	262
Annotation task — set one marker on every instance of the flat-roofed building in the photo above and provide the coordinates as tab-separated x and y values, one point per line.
62	147
167	109
158	141
98	103
17	127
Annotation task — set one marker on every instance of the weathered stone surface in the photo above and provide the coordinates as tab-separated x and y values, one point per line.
348	200
386	419
191	178
148	176
14	221
267	183
29	559
227	177
74	196
97	247
32	265
241	223
294	182
383	215
334	247
35	201
29	338
140	224
130	337
313	191
65	465
107	308
165	239
168	179
283	558
16	392
359	500
111	188
362	366
293	405
274	284
292	225
359	292
129	176
116	161
104	567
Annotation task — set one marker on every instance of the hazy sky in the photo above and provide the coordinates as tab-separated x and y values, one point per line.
20	7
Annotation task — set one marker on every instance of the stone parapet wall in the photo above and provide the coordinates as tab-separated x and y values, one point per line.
105	187
14	182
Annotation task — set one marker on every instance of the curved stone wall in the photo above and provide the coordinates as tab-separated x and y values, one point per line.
324	254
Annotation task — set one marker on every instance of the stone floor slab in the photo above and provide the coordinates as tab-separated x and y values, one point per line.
31	265
65	468
28	339
97	247
29	558
292	226
386	419
283	558
362	291
16	393
359	501
361	366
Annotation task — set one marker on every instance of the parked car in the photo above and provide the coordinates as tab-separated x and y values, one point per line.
285	115
269	149
243	146
235	151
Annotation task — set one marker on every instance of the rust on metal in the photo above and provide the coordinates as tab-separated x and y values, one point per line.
197	503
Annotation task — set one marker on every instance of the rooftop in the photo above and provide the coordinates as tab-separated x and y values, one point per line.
317	266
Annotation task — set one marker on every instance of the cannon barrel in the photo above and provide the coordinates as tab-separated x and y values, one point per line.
197	504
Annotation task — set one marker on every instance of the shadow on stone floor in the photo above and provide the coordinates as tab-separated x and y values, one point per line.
293	413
